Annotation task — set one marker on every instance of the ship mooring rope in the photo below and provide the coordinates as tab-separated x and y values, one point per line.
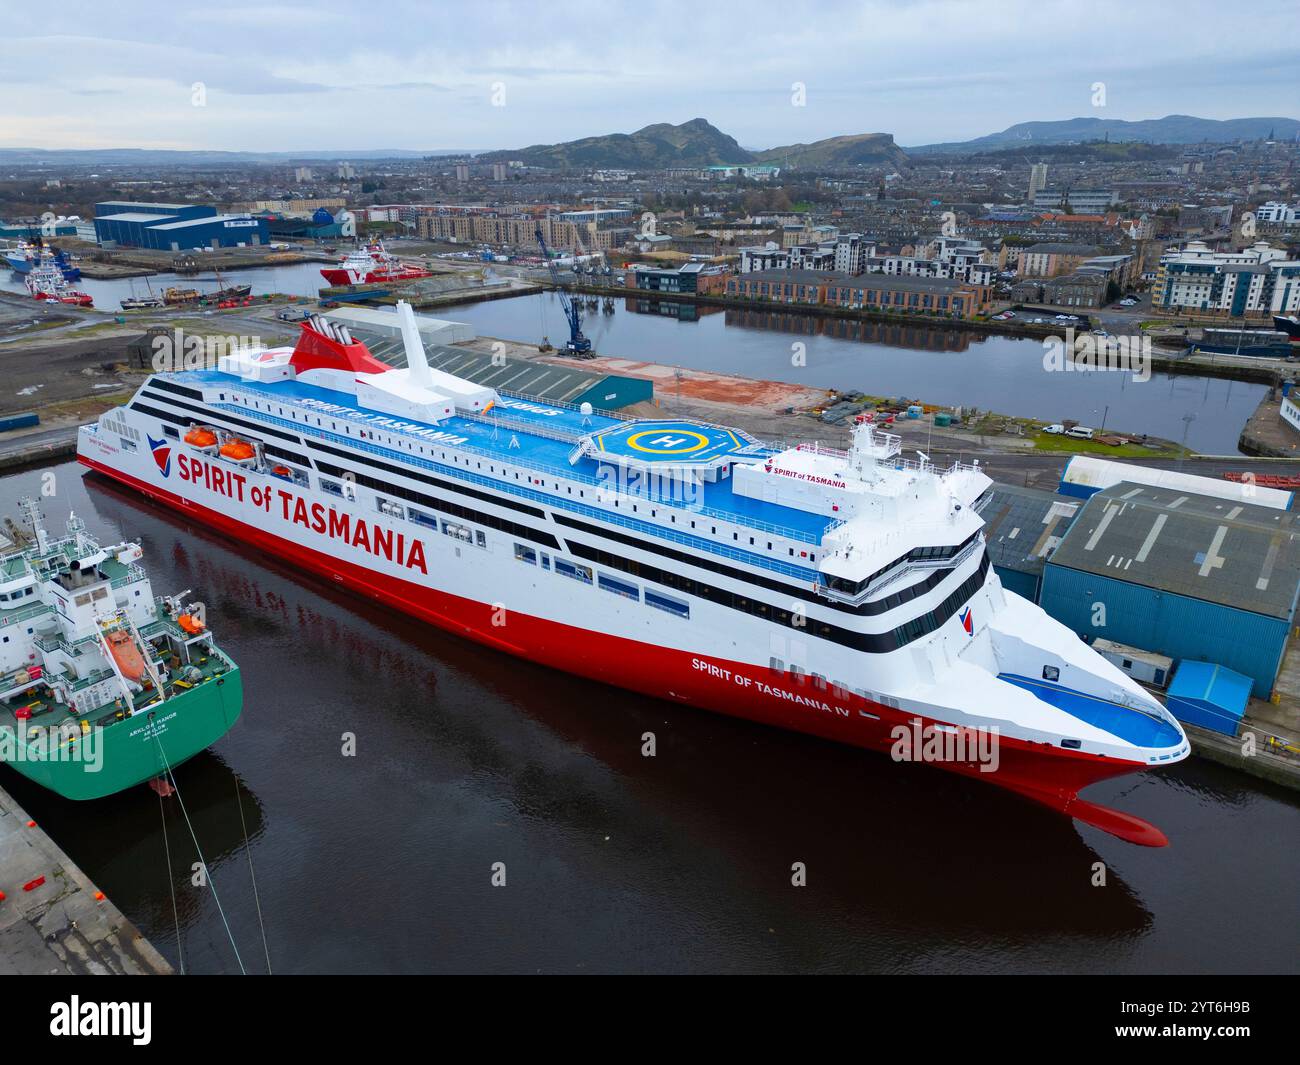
212	883
257	900
171	882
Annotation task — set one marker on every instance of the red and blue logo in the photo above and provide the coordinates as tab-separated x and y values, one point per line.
162	454
967	621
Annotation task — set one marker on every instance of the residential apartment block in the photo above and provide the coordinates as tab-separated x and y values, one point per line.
1256	281
1052	260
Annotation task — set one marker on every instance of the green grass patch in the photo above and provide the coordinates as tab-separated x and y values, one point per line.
1074	446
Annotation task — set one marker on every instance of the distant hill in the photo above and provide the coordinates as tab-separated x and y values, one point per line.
166	156
1172	129
693	143
858	149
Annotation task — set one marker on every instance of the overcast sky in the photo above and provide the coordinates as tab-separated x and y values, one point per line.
400	74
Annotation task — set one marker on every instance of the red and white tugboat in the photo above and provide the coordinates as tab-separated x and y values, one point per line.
46	282
370	264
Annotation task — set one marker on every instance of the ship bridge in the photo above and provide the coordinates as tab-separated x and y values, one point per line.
670	448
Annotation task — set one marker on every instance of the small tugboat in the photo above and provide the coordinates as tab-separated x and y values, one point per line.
178	297
102	686
371	264
140	303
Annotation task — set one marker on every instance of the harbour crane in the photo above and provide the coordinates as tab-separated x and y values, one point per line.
578	345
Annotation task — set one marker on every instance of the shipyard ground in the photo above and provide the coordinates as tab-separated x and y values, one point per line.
53	921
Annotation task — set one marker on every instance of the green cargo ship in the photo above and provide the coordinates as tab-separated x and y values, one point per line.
102	685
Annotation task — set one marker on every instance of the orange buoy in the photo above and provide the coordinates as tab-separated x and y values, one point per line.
282	471
190	624
239	450
201	437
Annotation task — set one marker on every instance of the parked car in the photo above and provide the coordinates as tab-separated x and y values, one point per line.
1055	430
1079	432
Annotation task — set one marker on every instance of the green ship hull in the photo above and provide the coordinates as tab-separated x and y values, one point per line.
110	758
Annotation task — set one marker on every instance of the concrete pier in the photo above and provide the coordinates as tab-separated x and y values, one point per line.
56	925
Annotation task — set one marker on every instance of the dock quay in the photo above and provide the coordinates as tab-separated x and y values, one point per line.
53	920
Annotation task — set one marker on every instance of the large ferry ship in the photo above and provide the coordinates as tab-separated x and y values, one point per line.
102	685
845	594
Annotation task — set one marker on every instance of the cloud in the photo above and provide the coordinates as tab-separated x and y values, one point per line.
330	72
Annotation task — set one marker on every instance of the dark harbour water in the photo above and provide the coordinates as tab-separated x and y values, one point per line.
614	862
935	365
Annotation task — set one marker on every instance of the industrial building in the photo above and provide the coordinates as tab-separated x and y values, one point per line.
1194	577
1085	475
689	277
1022	527
175	226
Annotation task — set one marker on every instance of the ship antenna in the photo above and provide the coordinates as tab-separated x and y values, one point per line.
32	513
77	528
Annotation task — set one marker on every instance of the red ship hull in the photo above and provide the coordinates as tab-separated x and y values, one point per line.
1046	774
339	276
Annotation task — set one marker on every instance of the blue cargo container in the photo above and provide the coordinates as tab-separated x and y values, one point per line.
1210	696
25	420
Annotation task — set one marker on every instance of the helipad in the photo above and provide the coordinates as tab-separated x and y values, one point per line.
668	443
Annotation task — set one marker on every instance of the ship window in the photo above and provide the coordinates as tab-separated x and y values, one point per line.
332	487
570	569
127	445
618	587
1051	673
99	593
546	560
1073	745
172	431
525	554
480	538
83	600
664	602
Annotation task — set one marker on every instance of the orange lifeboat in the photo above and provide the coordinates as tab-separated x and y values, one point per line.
190	624
126	655
238	450
201	437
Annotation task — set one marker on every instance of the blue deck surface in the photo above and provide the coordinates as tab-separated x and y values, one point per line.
544	453
1122	721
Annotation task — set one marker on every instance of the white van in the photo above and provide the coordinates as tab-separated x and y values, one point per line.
1079	432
